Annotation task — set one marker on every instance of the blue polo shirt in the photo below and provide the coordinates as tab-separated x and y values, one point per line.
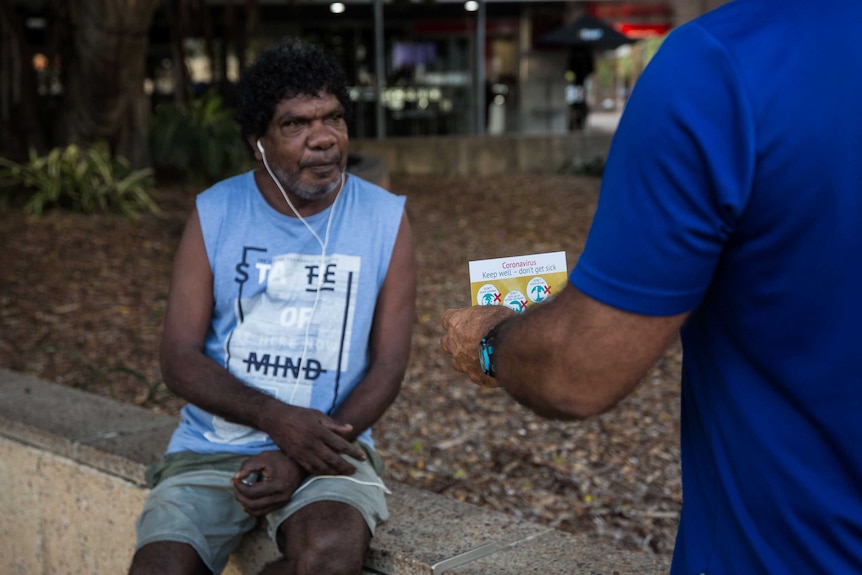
733	190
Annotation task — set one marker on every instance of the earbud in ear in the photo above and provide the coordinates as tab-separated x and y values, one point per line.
260	147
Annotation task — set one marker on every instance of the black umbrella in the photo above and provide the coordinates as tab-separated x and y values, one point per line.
586	32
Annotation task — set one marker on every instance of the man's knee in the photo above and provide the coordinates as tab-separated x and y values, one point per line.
321	555
167	558
327	538
327	554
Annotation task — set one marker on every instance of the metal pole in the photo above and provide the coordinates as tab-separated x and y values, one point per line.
480	69
380	67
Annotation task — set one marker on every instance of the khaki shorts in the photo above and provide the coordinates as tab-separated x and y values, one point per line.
192	501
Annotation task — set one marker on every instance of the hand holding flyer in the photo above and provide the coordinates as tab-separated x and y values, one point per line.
518	281
513	284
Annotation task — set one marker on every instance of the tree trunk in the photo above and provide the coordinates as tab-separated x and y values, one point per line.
179	31
18	93
105	97
206	22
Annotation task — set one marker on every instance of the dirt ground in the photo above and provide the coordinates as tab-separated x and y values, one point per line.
82	300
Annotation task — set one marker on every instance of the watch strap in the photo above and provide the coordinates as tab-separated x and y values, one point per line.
486	352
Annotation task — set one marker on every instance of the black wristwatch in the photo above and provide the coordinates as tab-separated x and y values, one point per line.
486	352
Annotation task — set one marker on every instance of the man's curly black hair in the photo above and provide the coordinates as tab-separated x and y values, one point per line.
290	69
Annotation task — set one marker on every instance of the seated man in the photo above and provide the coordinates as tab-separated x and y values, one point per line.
288	331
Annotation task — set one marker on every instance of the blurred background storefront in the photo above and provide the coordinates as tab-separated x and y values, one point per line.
415	67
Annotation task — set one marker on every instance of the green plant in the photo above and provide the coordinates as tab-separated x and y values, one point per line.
85	180
200	142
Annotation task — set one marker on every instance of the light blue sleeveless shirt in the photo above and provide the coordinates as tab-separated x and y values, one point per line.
271	326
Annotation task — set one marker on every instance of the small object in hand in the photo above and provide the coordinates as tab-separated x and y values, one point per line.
252	478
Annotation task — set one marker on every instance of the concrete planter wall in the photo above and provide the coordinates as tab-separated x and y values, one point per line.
474	156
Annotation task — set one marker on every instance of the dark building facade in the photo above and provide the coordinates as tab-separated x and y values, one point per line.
416	67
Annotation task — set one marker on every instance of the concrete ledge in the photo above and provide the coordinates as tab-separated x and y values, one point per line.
72	468
371	168
484	156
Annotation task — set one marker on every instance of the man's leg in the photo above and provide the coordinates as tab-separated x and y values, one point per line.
168	558
324	537
190	522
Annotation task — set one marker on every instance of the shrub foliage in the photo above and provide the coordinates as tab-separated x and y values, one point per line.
86	180
200	142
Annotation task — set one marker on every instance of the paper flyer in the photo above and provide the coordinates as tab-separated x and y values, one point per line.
518	281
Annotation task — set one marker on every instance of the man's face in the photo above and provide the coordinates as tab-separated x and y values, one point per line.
306	145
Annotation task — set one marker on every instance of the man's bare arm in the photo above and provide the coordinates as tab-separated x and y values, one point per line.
569	358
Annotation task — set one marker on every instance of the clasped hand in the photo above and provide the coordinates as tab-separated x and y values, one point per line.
314	440
279	479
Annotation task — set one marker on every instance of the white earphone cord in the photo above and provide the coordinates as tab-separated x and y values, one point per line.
323	243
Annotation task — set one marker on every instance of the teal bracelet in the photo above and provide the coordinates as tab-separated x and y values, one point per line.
486	352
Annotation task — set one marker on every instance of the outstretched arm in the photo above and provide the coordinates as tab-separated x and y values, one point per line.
308	436
569	358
